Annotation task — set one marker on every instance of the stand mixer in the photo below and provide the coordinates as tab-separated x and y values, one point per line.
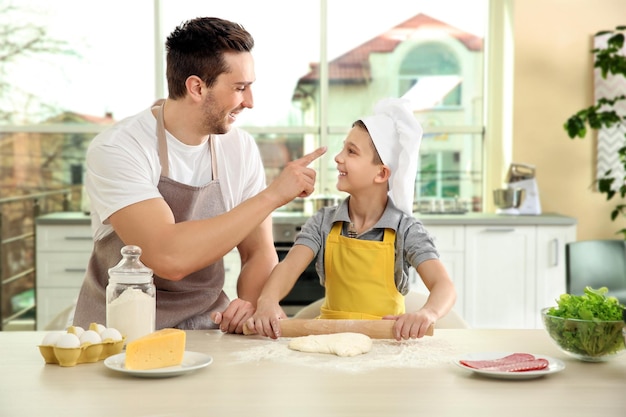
521	177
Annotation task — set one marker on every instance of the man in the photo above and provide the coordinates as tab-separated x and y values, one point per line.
181	183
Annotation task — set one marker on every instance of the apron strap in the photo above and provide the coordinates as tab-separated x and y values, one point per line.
213	158
162	142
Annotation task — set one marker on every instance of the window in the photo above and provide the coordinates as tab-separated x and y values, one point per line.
320	65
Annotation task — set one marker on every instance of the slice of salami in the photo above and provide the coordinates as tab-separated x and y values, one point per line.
533	365
516	362
513	358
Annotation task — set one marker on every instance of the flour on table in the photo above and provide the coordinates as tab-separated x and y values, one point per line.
340	344
385	353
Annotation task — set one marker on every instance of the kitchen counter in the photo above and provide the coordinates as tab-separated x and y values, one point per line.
64	218
548	219
254	376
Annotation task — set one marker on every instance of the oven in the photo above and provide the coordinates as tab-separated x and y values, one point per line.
307	289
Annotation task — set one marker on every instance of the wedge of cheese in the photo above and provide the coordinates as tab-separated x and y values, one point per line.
162	348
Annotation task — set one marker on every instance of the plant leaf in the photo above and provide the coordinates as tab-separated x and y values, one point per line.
575	126
616	41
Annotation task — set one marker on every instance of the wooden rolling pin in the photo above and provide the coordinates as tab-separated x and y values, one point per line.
376	329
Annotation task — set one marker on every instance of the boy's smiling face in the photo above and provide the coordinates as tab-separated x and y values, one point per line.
355	162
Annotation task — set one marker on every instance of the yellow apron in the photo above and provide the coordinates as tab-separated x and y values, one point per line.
360	277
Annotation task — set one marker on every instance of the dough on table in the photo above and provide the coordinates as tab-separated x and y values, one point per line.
340	344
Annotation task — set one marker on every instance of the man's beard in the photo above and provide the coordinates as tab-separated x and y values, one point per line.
214	119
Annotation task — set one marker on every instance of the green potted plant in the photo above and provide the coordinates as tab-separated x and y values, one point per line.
604	114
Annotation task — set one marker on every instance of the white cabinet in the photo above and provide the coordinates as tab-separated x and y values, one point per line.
62	255
512	272
504	274
500	276
550	278
450	243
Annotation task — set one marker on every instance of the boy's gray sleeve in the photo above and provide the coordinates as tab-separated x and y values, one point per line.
419	245
311	233
313	237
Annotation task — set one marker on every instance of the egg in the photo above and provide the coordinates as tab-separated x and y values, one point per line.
68	340
90	337
97	327
50	339
77	330
111	334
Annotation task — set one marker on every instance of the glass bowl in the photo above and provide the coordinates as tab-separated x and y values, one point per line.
586	340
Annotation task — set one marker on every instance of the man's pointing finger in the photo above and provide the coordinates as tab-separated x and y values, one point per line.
310	157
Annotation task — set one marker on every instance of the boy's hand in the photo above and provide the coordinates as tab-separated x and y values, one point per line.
265	320
412	325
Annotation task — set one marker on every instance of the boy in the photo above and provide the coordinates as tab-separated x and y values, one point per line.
365	245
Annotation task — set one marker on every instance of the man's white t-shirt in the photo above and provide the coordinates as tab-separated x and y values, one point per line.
123	167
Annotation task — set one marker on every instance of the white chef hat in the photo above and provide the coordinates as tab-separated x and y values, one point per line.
397	136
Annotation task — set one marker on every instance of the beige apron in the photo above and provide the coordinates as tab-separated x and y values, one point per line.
185	304
360	277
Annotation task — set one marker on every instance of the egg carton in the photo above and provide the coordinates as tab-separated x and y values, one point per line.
85	353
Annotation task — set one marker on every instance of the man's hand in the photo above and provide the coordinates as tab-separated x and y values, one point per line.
232	319
296	179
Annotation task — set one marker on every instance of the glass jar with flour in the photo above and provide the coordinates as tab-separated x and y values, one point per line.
131	296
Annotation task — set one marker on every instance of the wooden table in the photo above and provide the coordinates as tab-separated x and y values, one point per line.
270	386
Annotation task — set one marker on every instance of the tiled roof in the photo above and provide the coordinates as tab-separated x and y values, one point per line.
353	66
99	120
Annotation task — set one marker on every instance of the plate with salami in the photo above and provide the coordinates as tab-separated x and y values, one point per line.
509	365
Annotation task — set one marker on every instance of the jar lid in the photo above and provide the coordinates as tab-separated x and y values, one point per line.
130	269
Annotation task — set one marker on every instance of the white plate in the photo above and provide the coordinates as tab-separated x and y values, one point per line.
554	365
191	362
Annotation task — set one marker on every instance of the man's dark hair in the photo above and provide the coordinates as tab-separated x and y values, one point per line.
197	47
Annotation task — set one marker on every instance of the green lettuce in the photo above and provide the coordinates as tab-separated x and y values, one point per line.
592	305
599	335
